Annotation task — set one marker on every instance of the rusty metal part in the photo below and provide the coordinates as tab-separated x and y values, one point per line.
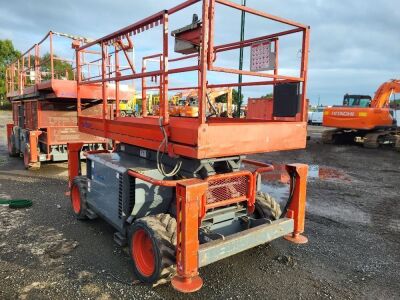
189	196
297	206
42	86
199	137
241	241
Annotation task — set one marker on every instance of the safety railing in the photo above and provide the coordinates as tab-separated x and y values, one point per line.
120	47
41	63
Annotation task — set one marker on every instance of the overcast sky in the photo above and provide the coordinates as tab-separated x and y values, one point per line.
354	44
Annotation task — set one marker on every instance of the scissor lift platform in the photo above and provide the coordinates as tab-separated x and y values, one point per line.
44	104
213	208
215	138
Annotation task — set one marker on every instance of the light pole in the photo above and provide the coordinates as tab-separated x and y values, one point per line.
242	26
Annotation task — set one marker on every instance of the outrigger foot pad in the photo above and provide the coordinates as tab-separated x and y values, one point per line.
187	285
296	238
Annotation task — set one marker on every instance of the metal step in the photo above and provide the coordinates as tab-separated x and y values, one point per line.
91	214
120	239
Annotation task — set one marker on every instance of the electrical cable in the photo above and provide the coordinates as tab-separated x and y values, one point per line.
160	154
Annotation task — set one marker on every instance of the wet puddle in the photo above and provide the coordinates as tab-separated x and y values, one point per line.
315	172
276	183
326	173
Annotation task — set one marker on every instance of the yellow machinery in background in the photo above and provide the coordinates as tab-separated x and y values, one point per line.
189	106
129	108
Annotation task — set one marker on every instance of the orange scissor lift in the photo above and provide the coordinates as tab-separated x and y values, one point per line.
174	188
41	87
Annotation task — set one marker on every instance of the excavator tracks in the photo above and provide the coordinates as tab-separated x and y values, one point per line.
376	139
397	143
338	136
371	140
328	136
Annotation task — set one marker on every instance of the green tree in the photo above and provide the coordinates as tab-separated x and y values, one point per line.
235	99
8	54
224	98
62	69
395	104
270	95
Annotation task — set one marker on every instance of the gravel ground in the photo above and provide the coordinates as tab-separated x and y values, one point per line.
353	226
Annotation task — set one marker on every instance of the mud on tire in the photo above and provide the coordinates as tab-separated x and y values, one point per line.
161	231
267	207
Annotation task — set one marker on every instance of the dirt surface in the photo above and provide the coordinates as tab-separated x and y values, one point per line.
353	226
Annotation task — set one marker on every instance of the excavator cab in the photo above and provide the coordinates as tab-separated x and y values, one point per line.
194	101
357	100
191	108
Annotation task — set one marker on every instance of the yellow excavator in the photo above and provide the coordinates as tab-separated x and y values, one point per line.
133	107
129	108
154	105
189	107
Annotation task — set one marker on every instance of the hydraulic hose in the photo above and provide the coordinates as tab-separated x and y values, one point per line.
16	203
160	154
292	188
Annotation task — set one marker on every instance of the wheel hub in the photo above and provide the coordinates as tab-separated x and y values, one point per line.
76	199
142	252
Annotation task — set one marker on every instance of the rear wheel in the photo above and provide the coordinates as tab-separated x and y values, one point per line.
12	150
122	114
29	165
152	242
267	207
78	197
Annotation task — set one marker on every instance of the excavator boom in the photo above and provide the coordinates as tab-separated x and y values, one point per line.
384	92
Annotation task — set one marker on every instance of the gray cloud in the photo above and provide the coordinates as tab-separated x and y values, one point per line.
354	44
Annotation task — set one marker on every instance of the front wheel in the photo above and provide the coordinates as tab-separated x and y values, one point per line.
78	197
152	242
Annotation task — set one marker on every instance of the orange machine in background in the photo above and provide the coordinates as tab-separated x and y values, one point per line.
261	108
42	89
188	104
364	120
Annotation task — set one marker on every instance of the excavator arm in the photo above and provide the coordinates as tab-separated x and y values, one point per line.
215	93
212	94
384	92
